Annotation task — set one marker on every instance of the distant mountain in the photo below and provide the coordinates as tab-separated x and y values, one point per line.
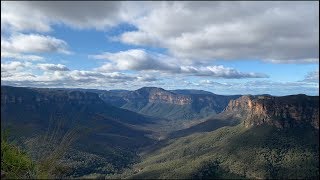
256	137
114	134
175	104
281	112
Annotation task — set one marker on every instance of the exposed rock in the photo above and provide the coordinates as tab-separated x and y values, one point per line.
286	111
175	104
9	96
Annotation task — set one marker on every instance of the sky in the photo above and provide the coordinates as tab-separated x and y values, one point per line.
224	47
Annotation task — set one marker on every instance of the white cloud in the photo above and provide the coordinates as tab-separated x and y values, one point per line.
277	32
17	56
53	67
140	60
147	78
17	73
232	30
134	59
12	66
33	43
220	71
39	16
57	75
16	17
193	33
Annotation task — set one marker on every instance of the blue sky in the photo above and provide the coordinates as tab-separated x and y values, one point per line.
222	47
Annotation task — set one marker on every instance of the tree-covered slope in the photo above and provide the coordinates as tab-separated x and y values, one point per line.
235	152
108	134
255	137
173	105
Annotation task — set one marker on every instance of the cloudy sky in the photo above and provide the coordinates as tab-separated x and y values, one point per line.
222	47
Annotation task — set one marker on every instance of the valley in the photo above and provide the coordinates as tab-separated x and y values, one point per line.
160	90
156	133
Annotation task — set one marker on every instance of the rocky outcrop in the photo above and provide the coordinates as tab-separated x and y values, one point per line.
175	104
162	96
282	112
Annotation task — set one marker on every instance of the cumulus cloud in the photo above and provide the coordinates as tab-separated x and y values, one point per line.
147	78
17	56
53	67
12	66
71	79
15	17
277	32
220	71
33	43
140	60
192	35
134	59
39	16
273	31
17	73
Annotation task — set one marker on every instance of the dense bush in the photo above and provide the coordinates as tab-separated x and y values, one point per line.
15	163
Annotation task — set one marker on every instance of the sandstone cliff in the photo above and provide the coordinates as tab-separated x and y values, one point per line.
175	104
10	95
286	111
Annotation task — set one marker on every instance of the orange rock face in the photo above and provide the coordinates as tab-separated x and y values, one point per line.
282	112
165	97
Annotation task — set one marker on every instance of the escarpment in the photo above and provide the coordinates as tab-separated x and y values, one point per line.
285	111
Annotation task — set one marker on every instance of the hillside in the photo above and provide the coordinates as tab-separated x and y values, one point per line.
285	111
83	136
225	146
173	105
235	152
109	136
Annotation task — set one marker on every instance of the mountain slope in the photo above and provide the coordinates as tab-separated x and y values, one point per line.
236	152
111	134
285	111
263	149
174	105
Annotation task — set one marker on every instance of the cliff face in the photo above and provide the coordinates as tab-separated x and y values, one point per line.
10	96
162	96
26	104
286	111
99	129
179	104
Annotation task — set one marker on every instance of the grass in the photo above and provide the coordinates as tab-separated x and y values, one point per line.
49	166
50	149
15	163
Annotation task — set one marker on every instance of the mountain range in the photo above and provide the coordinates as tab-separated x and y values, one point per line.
173	105
156	133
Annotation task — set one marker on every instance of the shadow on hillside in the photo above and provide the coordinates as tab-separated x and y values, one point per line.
207	126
